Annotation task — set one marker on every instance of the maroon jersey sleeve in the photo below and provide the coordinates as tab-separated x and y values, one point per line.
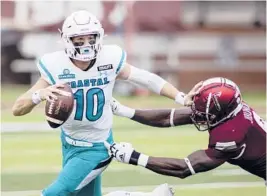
225	154
226	143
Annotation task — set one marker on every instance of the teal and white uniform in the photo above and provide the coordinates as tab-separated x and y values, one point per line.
90	124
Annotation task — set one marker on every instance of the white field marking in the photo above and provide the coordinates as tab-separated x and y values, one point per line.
37	127
214	185
39	170
35	169
230	172
29	152
11	127
22	127
22	171
25	154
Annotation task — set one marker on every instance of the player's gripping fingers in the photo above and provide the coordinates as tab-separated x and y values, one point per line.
193	92
50	97
122	152
112	150
54	89
115	150
189	103
59	85
46	94
196	88
188	100
61	92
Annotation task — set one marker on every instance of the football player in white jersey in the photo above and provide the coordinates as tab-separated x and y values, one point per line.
91	69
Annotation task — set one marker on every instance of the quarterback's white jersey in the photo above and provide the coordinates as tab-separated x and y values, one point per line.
92	117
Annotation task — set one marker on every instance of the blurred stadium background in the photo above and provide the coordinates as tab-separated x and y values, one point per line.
183	41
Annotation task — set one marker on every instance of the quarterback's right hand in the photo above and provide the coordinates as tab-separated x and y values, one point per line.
190	96
48	93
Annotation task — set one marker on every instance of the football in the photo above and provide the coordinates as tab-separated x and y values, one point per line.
58	111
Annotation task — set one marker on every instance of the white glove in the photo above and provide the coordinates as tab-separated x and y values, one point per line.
115	106
122	152
121	110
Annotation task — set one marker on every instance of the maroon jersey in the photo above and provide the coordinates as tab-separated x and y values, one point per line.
241	141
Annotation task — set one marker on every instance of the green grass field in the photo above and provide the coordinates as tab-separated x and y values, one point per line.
31	160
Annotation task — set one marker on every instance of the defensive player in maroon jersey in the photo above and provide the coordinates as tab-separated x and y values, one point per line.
237	134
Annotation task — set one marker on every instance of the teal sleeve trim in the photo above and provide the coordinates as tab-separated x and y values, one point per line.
47	72
121	61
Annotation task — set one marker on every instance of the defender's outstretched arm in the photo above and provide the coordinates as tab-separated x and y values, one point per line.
153	117
196	162
164	117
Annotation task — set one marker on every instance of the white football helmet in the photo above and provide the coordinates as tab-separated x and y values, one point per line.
82	23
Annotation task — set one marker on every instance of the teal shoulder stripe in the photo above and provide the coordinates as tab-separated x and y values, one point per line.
47	72
121	61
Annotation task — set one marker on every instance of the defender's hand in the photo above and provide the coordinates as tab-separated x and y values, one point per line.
188	100
121	110
120	151
115	107
48	93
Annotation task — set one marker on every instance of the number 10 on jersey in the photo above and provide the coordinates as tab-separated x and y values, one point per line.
92	102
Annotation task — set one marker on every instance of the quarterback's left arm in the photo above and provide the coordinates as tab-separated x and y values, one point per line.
196	162
156	84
